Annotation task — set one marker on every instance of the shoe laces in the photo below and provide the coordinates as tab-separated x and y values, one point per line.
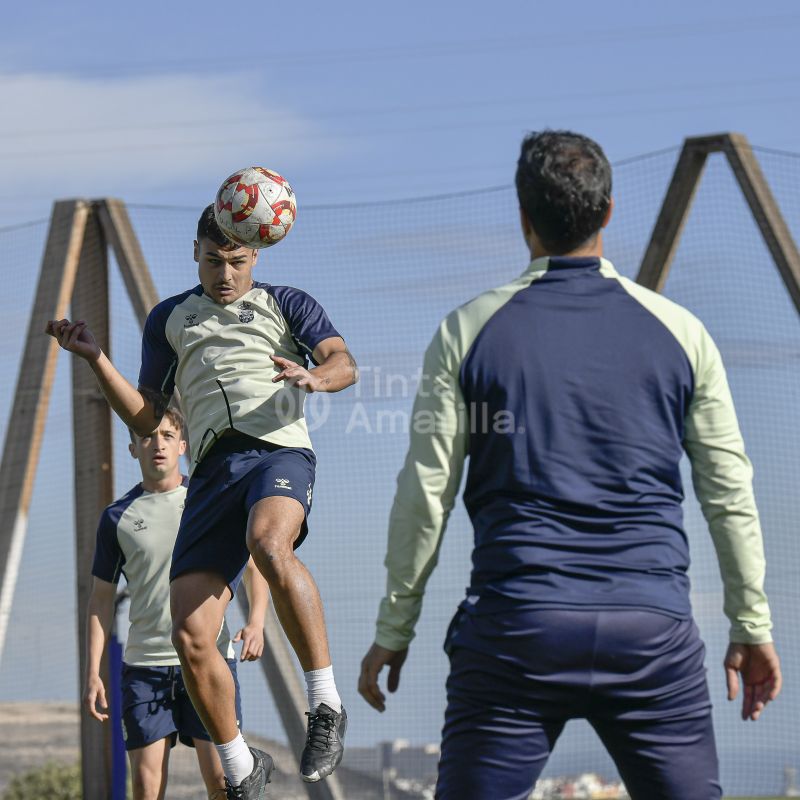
320	730
233	792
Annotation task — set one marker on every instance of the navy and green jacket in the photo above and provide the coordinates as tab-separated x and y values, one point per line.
574	392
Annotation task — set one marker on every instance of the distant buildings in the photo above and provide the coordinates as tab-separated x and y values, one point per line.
410	770
584	787
399	759
790	782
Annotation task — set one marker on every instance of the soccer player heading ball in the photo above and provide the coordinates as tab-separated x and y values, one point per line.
237	351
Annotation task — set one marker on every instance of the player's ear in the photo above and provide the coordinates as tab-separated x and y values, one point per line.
181	447
528	233
197	251
132	450
255	257
525	223
607	218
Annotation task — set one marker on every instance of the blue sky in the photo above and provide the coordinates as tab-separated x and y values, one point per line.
157	102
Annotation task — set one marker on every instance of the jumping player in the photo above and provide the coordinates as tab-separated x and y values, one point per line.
238	353
575	392
135	537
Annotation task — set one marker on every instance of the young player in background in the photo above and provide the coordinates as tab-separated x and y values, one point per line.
135	538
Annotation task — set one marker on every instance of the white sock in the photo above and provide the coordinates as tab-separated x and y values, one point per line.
321	688
237	760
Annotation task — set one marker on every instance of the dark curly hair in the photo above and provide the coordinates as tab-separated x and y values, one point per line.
564	188
207	228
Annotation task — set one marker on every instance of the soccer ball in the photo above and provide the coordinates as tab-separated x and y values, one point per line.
255	207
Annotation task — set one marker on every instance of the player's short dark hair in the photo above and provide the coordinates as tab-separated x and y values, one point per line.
207	228
175	416
564	188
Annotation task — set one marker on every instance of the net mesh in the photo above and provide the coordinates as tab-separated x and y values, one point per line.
387	273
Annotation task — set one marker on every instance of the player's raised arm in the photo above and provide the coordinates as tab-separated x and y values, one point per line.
135	408
336	368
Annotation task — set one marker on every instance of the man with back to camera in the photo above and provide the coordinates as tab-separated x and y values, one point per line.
135	537
591	388
253	475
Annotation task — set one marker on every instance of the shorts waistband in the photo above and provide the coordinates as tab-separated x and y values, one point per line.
232	441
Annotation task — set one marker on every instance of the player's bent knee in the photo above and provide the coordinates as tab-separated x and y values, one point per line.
192	645
271	551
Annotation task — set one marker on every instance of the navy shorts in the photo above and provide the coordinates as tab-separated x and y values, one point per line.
233	476
155	704
517	678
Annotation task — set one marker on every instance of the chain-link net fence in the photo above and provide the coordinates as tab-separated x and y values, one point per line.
387	273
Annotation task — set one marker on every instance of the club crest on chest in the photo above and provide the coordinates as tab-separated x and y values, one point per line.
246	313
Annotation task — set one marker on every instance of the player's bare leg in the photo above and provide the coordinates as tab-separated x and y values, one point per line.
149	766
198	601
272	529
210	769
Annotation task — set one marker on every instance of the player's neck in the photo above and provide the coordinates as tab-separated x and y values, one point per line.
592	249
167	484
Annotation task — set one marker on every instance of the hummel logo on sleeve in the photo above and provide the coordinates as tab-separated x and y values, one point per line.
191	319
282	483
138	525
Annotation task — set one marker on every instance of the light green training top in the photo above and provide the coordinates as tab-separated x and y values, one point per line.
135	537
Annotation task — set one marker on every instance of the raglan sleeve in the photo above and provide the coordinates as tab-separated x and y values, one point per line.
308	322
426	491
723	482
108	556
159	360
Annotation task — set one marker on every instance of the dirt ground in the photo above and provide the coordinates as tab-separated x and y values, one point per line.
35	733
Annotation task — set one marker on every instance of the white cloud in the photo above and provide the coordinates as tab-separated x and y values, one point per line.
66	136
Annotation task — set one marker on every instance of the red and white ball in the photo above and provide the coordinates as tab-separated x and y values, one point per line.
255	207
